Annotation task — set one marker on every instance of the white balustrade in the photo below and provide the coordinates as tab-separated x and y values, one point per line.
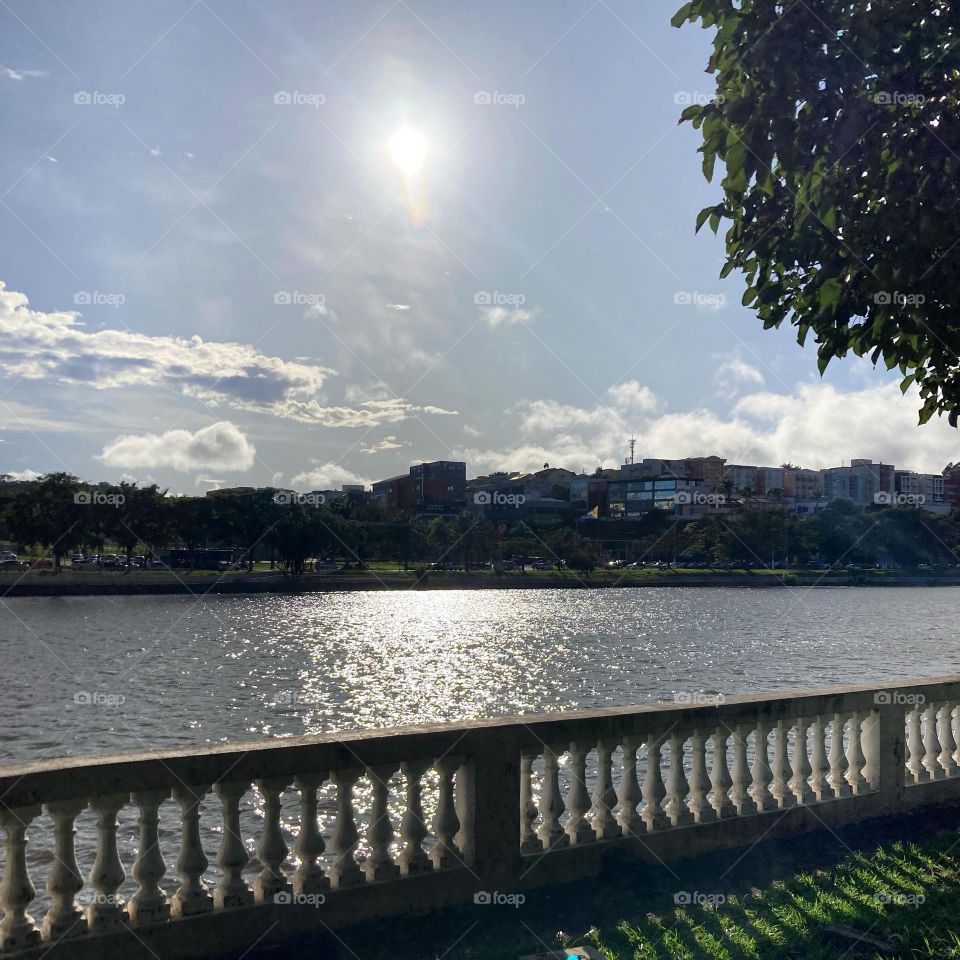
529	841
740	774
64	918
948	741
653	789
17	928
232	891
605	824
309	878
760	773
931	744
578	828
380	864
855	758
106	913
838	759
800	767
720	779
345	871
446	823
700	780
628	791
413	827
551	833
819	765
149	904
677	785
192	897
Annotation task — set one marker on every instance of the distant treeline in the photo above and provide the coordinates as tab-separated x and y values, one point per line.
59	515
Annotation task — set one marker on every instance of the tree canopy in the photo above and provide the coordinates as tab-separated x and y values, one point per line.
839	126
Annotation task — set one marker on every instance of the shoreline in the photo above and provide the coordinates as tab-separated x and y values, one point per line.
116	585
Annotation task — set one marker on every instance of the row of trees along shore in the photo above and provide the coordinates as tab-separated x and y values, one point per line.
58	515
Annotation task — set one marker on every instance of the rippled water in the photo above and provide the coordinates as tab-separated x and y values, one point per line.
88	675
242	668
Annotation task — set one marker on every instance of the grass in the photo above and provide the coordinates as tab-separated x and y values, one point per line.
902	888
904	894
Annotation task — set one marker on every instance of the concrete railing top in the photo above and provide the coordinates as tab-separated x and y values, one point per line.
24	784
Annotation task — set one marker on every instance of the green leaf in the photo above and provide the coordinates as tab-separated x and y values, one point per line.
829	293
906	381
681	16
749	295
702	217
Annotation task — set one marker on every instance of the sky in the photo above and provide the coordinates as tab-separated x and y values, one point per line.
221	266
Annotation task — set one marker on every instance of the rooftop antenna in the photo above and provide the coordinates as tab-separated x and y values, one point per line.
633	447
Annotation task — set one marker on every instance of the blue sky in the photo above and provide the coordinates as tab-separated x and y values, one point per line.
216	273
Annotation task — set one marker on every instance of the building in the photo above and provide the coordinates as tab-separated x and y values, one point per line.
431	488
631	499
926	490
395	494
859	483
769	481
741	477
802	484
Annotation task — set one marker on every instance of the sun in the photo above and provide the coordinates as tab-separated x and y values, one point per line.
408	150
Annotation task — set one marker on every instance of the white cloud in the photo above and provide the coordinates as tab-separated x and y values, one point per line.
57	347
326	476
21	416
815	425
399	307
507	316
220	446
12	74
733	370
21	474
387	443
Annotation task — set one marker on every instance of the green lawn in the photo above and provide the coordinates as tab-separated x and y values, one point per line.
905	895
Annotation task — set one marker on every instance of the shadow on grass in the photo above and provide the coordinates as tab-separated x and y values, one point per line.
896	881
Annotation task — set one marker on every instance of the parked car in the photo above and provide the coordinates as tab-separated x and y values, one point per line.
11	563
543	565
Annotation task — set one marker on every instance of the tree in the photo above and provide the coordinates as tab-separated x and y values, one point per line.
839	127
52	513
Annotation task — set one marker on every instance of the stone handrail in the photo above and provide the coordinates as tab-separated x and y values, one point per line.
507	811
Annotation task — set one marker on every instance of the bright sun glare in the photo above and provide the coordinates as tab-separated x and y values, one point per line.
408	150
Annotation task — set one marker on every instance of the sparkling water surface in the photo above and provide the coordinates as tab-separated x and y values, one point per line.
94	675
90	675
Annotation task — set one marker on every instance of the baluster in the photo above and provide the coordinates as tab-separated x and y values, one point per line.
781	768
838	760
677	785
818	760
551	802
272	849
345	871
578	800
64	918
653	789
192	896
529	841
465	804
628	792
446	823
954	722
915	762
149	904
379	865
931	744
700	780
801	769
232	891
720	779
740	774
309	878
107	913
855	760
870	740
413	827
947	758
17	928
605	824
761	775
